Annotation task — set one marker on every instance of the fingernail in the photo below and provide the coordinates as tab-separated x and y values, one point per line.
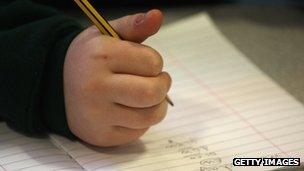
140	19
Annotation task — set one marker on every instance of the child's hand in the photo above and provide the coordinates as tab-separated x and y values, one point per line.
115	90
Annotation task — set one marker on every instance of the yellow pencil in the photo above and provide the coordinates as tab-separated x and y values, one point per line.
102	24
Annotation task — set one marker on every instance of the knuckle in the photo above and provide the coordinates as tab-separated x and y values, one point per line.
98	51
168	78
101	45
155	61
150	95
97	55
155	118
125	45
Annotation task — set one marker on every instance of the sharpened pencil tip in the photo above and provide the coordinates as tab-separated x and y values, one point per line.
169	101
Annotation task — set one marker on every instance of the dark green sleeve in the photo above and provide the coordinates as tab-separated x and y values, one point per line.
33	43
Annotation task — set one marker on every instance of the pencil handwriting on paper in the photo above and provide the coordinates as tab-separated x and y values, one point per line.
190	149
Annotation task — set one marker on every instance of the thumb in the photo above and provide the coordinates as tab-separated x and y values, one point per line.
138	27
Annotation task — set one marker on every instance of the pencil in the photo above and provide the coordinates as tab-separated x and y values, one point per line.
102	24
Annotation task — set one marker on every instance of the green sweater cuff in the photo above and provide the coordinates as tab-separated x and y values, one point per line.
52	97
34	41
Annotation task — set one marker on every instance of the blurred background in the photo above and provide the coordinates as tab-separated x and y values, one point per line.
269	32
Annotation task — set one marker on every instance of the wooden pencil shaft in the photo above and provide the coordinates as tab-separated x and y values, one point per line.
100	20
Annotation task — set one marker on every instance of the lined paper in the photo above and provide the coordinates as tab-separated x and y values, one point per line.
18	152
225	107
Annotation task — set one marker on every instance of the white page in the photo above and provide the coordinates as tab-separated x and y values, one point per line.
18	152
224	108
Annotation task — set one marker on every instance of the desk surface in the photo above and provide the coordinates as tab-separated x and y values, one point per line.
271	37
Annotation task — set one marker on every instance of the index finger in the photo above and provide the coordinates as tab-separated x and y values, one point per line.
135	59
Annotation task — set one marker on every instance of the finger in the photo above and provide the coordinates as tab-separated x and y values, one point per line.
118	135
138	118
130	58
138	92
109	136
138	27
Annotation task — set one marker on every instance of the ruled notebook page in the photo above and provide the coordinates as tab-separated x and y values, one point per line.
18	152
225	107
